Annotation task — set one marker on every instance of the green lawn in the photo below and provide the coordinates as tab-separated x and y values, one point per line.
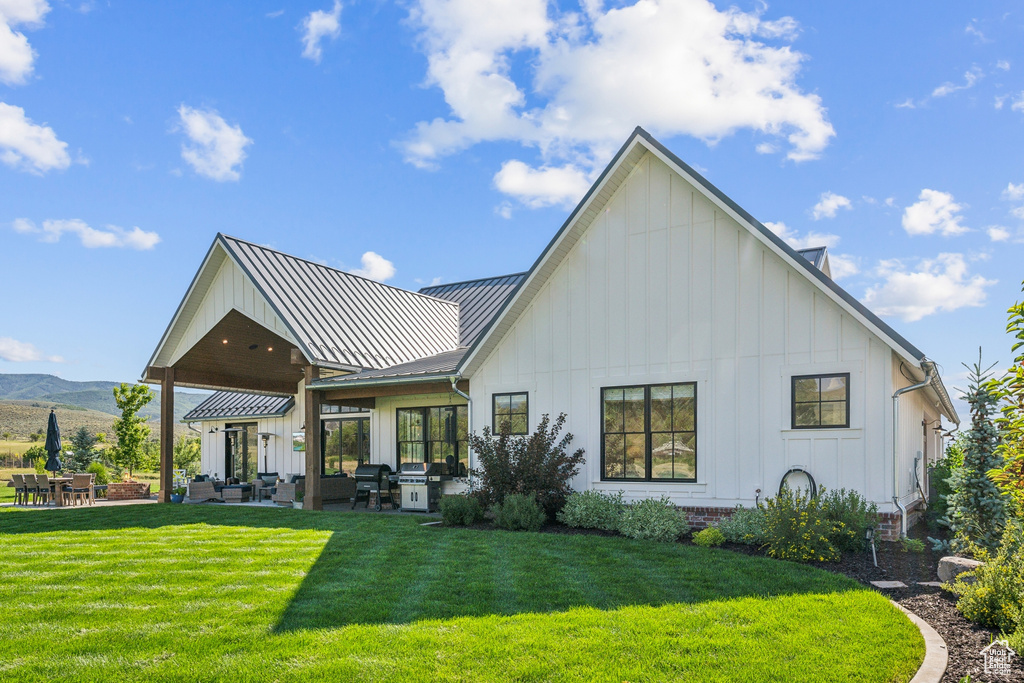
183	593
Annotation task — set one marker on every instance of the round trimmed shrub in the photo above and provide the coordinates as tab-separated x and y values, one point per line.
519	512
745	525
98	468
593	510
460	510
656	520
709	538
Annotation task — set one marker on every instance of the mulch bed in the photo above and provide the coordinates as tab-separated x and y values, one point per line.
964	640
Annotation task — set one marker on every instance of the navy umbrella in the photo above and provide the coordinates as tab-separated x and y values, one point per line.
53	446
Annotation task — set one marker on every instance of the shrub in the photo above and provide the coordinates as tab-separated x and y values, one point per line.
534	465
593	510
657	520
745	525
102	476
461	510
912	545
850	515
709	538
519	512
795	528
996	597
40	465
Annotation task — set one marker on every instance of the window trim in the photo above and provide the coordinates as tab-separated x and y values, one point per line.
424	410
649	440
494	411
792	400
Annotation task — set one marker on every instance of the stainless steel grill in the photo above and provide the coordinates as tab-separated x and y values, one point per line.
421	485
373	479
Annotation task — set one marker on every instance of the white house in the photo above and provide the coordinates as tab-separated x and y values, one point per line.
695	354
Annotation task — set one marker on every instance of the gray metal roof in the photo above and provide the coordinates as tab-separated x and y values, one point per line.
224	405
343	319
478	300
440	365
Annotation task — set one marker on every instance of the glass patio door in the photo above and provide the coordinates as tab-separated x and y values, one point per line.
346	445
241	451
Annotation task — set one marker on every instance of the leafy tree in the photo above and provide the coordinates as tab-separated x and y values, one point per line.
34	437
83	451
1010	476
131	430
977	509
188	453
530	465
7	436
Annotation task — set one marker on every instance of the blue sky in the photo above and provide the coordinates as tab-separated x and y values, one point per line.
434	140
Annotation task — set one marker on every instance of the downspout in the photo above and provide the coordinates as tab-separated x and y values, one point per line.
469	425
928	377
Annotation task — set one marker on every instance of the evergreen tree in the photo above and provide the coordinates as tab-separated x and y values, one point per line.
977	509
83	452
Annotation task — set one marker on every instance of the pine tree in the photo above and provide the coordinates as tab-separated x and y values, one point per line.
977	508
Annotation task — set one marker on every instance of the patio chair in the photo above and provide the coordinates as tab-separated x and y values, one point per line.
286	492
43	488
80	489
202	491
20	492
30	488
265	484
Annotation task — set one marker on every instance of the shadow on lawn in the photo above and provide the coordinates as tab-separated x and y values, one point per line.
389	570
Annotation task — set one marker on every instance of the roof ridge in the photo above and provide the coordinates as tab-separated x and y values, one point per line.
466	282
332	269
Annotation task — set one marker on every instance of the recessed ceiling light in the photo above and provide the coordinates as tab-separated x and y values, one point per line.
270	348
253	347
225	341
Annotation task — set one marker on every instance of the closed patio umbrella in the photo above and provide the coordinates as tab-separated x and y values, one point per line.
53	446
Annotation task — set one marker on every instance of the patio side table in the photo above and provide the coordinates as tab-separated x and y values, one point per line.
236	494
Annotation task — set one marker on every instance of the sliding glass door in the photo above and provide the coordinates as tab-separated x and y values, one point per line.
346	445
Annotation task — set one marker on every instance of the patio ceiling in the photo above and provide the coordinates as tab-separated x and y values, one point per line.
237	354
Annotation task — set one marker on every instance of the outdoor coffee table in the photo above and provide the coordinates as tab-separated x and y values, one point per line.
237	493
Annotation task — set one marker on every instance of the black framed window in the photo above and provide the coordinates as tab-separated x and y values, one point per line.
513	409
345	445
649	433
434	434
821	401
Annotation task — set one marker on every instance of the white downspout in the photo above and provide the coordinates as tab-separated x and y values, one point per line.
928	377
469	425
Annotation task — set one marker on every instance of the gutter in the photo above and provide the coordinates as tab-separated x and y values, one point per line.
929	377
328	384
454	379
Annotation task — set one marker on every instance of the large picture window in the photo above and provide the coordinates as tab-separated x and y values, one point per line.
345	444
435	434
649	433
821	401
512	409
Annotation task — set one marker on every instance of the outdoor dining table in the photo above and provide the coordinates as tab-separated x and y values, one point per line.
56	484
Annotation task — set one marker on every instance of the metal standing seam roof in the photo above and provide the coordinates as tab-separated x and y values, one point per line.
341	318
439	366
230	404
478	300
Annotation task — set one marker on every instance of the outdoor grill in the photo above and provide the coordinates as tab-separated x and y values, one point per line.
421	485
373	479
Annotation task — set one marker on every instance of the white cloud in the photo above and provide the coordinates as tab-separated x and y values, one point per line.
1003	65
808	241
843	266
218	149
939	284
1013	192
934	212
504	210
1018	212
544	186
1017	104
15	351
972	30
906	104
970	78
16	55
91	238
275	14
677	67
28	146
997	233
317	26
375	267
828	205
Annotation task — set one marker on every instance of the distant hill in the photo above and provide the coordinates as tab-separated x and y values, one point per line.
46	391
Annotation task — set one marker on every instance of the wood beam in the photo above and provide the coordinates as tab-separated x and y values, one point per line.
407	389
314	499
184	377
298	358
166	434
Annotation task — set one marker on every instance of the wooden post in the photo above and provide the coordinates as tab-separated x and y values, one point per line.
166	435
314	499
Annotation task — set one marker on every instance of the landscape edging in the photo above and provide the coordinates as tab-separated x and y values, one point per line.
936	654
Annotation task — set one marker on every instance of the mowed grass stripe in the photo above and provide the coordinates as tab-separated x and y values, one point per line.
215	593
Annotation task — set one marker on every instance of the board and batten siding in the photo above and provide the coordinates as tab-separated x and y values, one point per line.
664	287
230	289
917	438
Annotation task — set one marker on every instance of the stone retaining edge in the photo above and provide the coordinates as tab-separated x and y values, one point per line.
936	655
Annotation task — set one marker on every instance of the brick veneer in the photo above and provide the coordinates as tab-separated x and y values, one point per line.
888	528
131	490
